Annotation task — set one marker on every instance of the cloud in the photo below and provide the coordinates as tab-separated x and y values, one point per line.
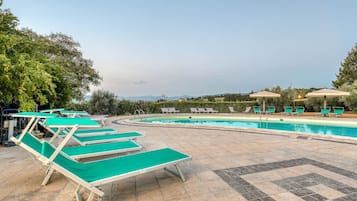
140	82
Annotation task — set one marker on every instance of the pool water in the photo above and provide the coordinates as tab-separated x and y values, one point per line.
335	130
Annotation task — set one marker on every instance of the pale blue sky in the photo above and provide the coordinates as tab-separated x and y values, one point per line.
198	47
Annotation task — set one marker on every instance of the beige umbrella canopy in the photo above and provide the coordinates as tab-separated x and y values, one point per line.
327	93
264	94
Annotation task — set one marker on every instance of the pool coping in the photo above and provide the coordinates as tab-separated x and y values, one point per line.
298	135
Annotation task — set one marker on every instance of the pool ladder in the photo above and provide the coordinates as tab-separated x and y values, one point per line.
261	119
139	112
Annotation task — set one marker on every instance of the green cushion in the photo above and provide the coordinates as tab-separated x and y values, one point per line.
325	111
97	148
108	137
34	114
288	109
99	130
299	110
70	122
256	109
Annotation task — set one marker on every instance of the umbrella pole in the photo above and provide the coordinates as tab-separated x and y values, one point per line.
263	104
325	102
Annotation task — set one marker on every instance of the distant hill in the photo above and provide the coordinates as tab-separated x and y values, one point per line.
151	98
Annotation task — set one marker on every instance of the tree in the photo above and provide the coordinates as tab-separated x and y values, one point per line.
103	102
348	69
351	100
36	69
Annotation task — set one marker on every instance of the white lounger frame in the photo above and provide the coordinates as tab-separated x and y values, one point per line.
94	187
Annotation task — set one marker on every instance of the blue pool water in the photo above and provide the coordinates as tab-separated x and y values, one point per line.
274	125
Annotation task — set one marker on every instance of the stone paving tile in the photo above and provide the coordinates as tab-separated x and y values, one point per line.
296	185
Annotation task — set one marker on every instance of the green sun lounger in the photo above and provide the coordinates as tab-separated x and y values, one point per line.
106	138
92	175
93	132
288	110
271	109
325	111
338	111
257	110
87	139
299	110
78	152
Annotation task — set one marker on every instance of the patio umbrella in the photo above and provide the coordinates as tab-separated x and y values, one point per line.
327	93
264	94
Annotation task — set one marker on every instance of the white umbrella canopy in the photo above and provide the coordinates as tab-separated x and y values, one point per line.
264	94
327	93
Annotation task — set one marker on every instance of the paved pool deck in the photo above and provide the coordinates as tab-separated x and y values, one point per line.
227	165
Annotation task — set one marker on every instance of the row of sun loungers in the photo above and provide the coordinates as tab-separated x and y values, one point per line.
92	141
169	110
337	111
203	110
288	110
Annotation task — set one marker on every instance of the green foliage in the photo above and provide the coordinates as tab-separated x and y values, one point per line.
44	70
103	102
348	70
350	101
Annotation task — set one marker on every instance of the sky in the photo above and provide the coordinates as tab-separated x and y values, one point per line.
201	47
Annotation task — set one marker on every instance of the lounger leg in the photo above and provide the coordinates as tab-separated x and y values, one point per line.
91	196
48	176
77	194
178	174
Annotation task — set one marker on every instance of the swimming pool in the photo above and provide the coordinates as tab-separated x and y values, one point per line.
332	129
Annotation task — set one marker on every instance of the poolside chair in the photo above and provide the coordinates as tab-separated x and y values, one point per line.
210	110
299	110
247	109
338	111
173	110
288	110
73	113
257	110
231	109
164	110
93	132
201	110
270	110
92	175
193	110
325	111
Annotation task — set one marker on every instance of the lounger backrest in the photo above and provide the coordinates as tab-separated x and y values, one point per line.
300	109
247	109
201	109
231	109
271	109
256	109
288	109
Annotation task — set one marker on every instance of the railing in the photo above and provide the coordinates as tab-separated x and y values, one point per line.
139	112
